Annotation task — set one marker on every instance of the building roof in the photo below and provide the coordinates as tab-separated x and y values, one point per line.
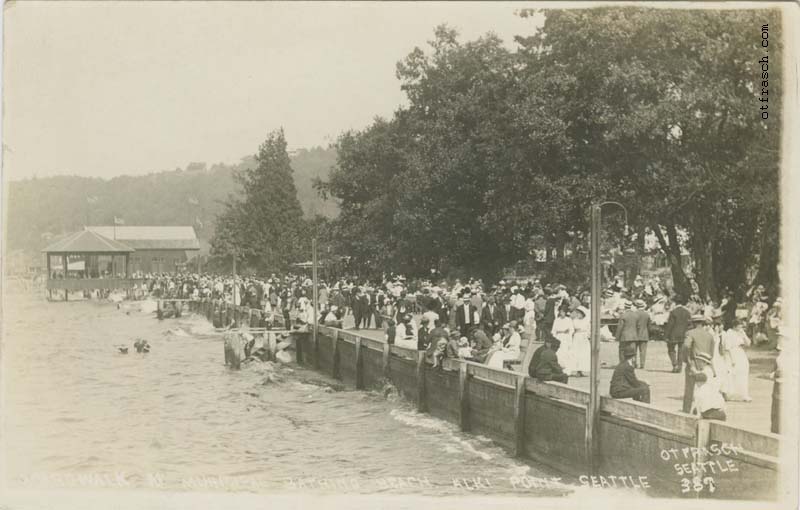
85	241
151	237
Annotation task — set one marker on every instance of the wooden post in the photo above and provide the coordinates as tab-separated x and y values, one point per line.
272	345
359	365
463	396
701	440
519	416
66	287
421	404
335	355
298	348
385	359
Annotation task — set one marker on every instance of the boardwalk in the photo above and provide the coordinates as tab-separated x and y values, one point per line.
667	388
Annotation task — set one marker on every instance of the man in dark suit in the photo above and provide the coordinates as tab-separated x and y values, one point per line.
505	310
550	310
675	331
357	303
642	331
626	329
624	383
466	316
491	317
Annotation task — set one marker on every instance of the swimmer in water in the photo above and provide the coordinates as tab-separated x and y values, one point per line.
123	350
141	345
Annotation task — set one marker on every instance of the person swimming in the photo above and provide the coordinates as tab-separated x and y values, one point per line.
141	345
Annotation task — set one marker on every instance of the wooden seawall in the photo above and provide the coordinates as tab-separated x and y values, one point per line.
679	454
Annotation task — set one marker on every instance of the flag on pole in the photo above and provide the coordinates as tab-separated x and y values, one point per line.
118	221
91	200
194	201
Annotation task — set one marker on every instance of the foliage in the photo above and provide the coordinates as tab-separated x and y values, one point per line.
264	226
654	108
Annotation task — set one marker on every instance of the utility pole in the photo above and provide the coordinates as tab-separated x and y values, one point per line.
593	408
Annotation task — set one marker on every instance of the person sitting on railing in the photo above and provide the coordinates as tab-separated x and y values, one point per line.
624	383
511	347
437	353
544	364
422	334
331	320
464	350
452	345
482	345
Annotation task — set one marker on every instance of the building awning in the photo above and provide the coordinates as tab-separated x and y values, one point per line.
86	241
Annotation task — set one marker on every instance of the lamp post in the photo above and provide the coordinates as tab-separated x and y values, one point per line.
593	408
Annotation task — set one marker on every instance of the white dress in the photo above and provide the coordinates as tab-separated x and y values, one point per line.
720	365
739	366
562	330
509	352
581	346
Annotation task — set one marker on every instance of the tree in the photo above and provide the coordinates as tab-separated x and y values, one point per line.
265	225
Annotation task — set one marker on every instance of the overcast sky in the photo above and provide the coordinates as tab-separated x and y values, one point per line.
102	89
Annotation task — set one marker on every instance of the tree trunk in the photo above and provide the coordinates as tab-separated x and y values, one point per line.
769	256
702	249
672	249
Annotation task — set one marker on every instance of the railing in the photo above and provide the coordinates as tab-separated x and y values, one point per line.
93	283
539	420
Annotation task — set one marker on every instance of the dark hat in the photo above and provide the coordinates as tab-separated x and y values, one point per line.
629	351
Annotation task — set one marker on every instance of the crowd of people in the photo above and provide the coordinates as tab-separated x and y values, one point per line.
494	324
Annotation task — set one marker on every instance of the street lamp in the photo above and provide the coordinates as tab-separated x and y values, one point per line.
593	408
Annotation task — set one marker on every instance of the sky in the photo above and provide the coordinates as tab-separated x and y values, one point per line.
107	88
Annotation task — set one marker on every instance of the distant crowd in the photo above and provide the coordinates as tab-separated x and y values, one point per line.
494	324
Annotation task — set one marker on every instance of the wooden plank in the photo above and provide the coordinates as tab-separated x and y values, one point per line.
680	423
765	443
371	344
402	352
347	337
421	403
463	397
359	365
519	417
558	391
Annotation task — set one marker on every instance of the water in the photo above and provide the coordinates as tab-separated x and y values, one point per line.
78	412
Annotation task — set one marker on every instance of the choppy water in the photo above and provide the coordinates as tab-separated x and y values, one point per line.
77	412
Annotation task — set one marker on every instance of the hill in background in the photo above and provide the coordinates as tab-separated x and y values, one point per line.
40	209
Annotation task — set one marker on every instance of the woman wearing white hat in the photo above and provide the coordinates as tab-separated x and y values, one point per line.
581	347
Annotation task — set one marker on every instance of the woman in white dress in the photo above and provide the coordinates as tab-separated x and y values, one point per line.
562	330
718	360
734	340
581	347
529	319
509	351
